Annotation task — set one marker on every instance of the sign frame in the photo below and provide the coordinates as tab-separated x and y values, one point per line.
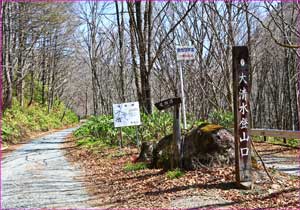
185	53
126	114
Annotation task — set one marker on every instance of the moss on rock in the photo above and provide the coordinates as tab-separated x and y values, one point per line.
209	128
208	144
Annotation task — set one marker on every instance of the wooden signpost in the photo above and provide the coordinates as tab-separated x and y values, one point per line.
176	120
240	67
168	103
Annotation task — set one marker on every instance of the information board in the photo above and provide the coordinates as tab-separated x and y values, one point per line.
185	53
126	114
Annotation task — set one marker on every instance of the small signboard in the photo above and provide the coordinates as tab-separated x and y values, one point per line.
185	53
126	114
168	103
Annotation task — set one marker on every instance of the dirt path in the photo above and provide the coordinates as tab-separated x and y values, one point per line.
282	158
37	175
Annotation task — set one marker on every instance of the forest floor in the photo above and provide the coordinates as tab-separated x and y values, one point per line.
38	174
112	187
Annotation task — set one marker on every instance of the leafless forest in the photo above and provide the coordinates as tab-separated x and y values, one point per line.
94	54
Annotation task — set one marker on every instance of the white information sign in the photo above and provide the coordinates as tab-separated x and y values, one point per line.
126	114
185	53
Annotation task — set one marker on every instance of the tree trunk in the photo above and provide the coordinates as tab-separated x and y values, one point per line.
6	55
43	65
120	21
31	96
86	101
133	55
20	83
145	83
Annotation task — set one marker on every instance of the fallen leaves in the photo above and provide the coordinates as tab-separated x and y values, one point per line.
110	186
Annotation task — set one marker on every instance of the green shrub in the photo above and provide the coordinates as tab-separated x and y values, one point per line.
6	131
221	118
153	128
135	166
91	144
101	128
177	173
277	140
156	126
18	121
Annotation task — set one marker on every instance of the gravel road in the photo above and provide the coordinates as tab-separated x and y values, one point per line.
37	175
288	165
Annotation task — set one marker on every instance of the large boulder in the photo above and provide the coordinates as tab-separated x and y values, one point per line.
204	146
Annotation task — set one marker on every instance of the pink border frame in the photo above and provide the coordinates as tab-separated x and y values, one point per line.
62	1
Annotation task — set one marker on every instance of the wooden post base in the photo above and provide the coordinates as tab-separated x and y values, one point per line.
245	185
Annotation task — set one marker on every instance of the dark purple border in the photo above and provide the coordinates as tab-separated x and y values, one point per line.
298	83
59	1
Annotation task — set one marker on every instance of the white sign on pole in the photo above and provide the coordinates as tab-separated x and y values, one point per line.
126	114
185	53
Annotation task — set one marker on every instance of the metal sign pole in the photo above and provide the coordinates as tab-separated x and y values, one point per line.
177	132
137	136
182	95
121	137
184	53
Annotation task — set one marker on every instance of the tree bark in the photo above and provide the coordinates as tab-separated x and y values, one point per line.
6	55
120	22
